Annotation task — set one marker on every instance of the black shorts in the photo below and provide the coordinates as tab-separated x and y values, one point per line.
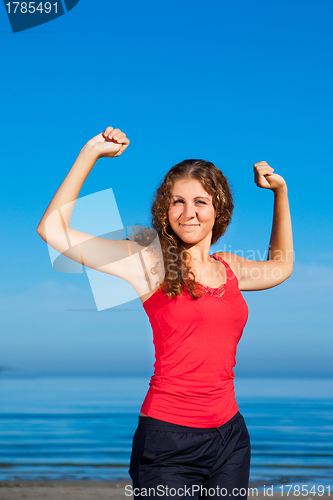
170	460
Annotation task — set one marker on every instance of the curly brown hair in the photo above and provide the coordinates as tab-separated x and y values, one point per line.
216	184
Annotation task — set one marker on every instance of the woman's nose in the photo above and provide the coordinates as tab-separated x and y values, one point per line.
189	210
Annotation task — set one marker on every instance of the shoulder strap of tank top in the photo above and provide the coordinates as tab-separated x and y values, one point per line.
220	259
230	272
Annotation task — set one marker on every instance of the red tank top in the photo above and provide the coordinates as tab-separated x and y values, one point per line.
195	350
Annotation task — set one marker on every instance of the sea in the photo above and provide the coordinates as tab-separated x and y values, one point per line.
81	428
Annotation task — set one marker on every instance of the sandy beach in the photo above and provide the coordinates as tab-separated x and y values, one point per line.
97	490
56	490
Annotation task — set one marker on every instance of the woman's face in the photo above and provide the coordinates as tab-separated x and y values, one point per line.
191	213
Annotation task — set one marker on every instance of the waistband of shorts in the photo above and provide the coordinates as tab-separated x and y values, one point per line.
154	423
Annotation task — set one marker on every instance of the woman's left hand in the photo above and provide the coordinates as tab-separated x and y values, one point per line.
264	177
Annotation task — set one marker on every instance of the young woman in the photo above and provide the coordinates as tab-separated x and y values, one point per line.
191	439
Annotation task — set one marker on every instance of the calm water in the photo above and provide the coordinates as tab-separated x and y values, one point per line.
82	428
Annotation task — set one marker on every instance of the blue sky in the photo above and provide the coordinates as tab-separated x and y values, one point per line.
230	82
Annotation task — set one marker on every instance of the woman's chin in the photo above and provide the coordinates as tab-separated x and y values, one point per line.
190	239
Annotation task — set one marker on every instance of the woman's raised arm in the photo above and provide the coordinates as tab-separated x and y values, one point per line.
108	256
260	275
104	144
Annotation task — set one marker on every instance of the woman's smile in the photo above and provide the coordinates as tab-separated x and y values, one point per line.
189	225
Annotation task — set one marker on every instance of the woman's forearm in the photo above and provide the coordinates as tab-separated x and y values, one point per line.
69	189
281	243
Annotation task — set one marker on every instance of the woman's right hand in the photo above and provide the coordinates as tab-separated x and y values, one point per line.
110	143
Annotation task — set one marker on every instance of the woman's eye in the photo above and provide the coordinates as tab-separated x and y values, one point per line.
181	201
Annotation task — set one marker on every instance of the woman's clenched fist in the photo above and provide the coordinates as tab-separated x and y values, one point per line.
265	178
110	143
